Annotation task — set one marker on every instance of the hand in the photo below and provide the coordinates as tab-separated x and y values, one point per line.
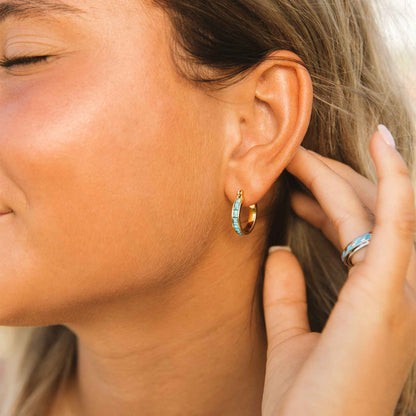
358	365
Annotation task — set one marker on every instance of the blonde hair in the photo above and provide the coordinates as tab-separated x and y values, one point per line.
355	88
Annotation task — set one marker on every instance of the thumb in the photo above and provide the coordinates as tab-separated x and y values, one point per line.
284	297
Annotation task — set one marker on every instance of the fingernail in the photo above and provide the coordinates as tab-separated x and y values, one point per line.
386	134
274	248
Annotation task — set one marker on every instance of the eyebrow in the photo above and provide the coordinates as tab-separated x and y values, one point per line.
31	8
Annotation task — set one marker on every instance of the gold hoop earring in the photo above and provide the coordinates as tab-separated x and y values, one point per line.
235	215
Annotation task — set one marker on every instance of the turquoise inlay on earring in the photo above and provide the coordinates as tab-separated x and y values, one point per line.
235	215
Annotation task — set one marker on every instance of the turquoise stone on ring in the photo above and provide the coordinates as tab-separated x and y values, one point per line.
353	246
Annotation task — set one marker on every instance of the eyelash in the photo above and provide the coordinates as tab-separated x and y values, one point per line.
22	60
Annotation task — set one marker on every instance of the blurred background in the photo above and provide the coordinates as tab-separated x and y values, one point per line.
397	19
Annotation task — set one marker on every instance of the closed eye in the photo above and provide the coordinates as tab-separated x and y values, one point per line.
22	60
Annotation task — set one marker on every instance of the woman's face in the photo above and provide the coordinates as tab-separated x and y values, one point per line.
109	160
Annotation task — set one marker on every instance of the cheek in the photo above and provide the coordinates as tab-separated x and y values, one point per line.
112	183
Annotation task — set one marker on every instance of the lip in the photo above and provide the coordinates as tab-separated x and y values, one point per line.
5	213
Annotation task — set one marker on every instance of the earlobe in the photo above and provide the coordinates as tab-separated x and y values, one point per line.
279	93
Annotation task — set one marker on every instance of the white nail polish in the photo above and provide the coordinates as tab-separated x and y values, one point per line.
274	248
386	134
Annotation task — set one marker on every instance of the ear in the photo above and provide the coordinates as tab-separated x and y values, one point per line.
273	117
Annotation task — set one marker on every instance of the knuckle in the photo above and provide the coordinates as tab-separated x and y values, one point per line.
282	336
341	219
403	169
405	224
314	182
286	302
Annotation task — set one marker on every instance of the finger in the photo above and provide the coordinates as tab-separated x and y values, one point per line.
365	189
310	210
284	298
336	197
392	243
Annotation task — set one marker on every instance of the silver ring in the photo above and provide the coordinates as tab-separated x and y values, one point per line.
352	247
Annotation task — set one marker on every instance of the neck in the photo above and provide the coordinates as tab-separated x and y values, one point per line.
188	347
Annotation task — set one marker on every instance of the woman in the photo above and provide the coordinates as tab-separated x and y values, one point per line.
128	130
